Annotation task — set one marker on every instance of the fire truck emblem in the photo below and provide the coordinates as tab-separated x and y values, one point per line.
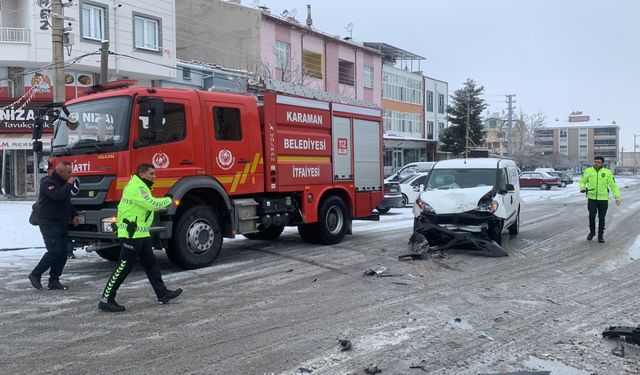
160	160
225	159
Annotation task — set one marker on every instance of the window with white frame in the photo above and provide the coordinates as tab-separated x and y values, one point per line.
402	123
429	101
93	21
440	103
400	88
367	77
146	32
429	129
283	55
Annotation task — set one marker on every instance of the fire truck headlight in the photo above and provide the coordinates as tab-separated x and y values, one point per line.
107	224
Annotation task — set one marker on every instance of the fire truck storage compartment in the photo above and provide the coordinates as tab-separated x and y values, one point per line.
367	161
246	212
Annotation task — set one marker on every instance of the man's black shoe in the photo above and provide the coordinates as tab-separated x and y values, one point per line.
35	281
590	236
55	285
110	306
171	294
600	239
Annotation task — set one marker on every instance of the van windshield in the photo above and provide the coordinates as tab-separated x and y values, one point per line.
443	179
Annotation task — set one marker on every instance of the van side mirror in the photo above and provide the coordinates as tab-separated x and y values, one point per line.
510	188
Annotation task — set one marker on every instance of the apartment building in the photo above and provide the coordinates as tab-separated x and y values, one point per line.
436	100
402	108
277	47
580	138
142	39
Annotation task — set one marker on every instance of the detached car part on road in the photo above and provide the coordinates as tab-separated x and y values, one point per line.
467	203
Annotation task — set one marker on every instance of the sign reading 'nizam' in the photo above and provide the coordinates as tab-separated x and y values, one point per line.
19	120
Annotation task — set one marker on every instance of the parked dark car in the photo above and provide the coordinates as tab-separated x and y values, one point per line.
392	197
541	180
565	179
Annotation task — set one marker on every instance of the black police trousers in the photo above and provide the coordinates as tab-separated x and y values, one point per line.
132	249
56	239
599	207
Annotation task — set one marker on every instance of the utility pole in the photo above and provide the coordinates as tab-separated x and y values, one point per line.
466	130
57	24
509	137
104	62
635	154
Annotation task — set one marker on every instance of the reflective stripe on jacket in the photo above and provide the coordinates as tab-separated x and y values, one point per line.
598	183
137	205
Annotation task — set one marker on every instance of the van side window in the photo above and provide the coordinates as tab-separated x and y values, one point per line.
513	175
174	124
502	179
227	124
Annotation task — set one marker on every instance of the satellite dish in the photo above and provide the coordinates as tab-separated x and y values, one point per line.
285	13
293	12
349	29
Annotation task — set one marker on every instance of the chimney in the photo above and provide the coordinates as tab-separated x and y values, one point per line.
309	20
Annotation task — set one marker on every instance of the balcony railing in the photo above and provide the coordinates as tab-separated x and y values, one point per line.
15	35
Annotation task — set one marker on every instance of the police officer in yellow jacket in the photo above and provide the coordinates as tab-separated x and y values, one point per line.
597	181
135	216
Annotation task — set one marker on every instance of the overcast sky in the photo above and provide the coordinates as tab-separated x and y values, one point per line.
557	56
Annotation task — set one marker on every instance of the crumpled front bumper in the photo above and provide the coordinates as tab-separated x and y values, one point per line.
467	230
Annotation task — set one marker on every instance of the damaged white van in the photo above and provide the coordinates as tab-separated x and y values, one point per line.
468	203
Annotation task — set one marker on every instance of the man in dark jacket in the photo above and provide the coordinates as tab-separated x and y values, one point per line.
56	212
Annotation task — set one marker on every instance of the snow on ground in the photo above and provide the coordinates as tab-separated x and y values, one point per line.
19	234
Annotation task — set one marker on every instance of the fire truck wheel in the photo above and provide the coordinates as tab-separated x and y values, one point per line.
197	238
271	233
332	221
112	253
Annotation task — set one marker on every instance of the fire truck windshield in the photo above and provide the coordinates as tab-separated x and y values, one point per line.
94	126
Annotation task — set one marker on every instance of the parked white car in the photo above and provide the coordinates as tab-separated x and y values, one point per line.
479	196
409	169
411	186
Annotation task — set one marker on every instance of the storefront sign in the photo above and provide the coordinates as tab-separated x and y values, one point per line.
19	120
22	144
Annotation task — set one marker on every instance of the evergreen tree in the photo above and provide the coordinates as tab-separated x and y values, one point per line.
465	101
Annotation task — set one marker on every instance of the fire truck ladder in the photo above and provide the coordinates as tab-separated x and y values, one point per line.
271	85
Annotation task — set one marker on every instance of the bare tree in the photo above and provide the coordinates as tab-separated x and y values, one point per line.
523	134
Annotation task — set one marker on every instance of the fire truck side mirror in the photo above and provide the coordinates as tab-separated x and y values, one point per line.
38	125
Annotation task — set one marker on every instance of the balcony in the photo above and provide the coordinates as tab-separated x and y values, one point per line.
15	35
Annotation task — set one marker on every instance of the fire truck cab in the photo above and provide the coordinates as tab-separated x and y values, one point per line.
233	164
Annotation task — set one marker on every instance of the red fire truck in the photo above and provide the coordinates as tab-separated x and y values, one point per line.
234	165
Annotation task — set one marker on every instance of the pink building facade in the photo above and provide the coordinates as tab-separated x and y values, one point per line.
298	54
